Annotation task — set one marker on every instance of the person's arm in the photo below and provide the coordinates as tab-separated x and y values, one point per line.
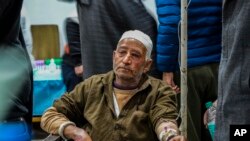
58	124
167	39
79	70
51	120
75	133
73	37
164	114
66	112
168	78
205	114
168	131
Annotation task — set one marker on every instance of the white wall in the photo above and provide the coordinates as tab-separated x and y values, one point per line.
55	12
49	12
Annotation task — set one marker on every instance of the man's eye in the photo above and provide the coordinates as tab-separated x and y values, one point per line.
122	52
136	55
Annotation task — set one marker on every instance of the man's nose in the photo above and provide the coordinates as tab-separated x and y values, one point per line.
127	59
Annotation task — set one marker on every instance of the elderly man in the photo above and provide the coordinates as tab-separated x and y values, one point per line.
123	104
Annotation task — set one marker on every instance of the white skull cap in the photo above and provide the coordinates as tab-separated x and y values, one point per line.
141	37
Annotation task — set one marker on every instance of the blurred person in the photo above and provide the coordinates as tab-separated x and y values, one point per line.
26	30
233	104
102	22
123	104
72	68
16	76
203	56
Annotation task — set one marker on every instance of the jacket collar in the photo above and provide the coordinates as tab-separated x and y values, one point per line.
109	77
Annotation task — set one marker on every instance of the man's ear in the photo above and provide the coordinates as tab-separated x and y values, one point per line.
147	65
114	55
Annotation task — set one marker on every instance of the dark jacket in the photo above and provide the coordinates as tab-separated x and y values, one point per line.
90	105
15	67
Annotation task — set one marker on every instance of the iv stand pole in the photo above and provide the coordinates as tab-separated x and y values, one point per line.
183	68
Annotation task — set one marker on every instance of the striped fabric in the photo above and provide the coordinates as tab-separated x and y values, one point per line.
102	22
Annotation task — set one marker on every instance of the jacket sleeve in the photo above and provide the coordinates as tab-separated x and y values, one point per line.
167	47
164	107
68	108
51	120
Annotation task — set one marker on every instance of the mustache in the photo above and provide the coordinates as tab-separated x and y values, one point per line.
124	67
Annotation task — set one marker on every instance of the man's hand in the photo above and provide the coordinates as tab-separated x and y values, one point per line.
168	77
76	134
178	138
205	114
79	70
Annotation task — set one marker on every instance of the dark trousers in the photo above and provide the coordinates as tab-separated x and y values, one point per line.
70	79
202	87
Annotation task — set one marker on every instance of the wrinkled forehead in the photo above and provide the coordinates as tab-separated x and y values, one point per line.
143	38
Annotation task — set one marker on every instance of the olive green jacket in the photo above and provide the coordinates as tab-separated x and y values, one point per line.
90	105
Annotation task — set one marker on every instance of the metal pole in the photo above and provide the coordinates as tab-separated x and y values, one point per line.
183	68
